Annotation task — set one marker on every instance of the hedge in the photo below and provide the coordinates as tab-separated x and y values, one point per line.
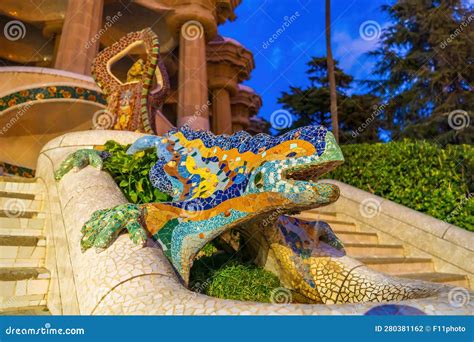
418	174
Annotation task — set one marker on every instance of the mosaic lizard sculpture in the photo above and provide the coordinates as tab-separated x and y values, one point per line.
133	104
249	184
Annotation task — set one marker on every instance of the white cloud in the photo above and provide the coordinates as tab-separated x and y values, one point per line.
348	51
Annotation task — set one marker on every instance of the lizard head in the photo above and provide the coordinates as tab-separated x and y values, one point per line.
295	177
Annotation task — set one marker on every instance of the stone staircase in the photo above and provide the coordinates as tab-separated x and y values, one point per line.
387	258
24	281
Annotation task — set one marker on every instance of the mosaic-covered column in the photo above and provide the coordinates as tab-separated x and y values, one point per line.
78	44
192	87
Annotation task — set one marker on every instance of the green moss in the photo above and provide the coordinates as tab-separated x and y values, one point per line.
420	175
227	276
243	282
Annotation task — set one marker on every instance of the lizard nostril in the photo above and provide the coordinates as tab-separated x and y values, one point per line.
258	180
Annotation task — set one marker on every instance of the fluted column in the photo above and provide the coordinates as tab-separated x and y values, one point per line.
78	44
192	88
221	112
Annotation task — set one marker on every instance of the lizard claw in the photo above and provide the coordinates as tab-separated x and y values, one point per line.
104	226
79	159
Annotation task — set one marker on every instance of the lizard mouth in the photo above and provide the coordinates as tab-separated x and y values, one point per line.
309	173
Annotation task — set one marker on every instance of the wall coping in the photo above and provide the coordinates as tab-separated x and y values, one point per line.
50	71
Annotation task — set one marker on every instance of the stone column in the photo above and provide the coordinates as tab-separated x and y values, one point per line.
52	30
229	63
221	112
245	104
77	46
192	88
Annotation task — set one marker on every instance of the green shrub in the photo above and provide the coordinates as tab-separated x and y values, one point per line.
131	173
417	174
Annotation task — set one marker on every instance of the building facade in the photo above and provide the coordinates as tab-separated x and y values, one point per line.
206	70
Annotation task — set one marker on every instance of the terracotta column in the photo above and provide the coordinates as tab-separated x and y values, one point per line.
245	104
221	112
52	29
240	118
229	63
78	44
192	92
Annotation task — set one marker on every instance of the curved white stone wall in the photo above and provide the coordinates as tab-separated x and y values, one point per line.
126	279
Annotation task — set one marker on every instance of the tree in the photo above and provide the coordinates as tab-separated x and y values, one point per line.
358	114
424	65
332	79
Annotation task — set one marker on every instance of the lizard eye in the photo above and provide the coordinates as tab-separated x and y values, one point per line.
258	180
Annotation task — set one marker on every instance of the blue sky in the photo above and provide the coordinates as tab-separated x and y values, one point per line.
281	63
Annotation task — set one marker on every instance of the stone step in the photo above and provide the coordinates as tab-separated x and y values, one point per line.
16	304
321	212
22	248
373	249
15	210
23	287
19	185
15	205
8	274
335	224
316	215
34	310
436	277
21	223
21	237
398	265
22	251
18	195
356	237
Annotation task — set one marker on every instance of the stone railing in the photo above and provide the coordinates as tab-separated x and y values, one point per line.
129	279
451	247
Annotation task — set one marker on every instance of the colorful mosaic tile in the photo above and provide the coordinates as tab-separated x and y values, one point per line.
133	104
7	169
50	93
